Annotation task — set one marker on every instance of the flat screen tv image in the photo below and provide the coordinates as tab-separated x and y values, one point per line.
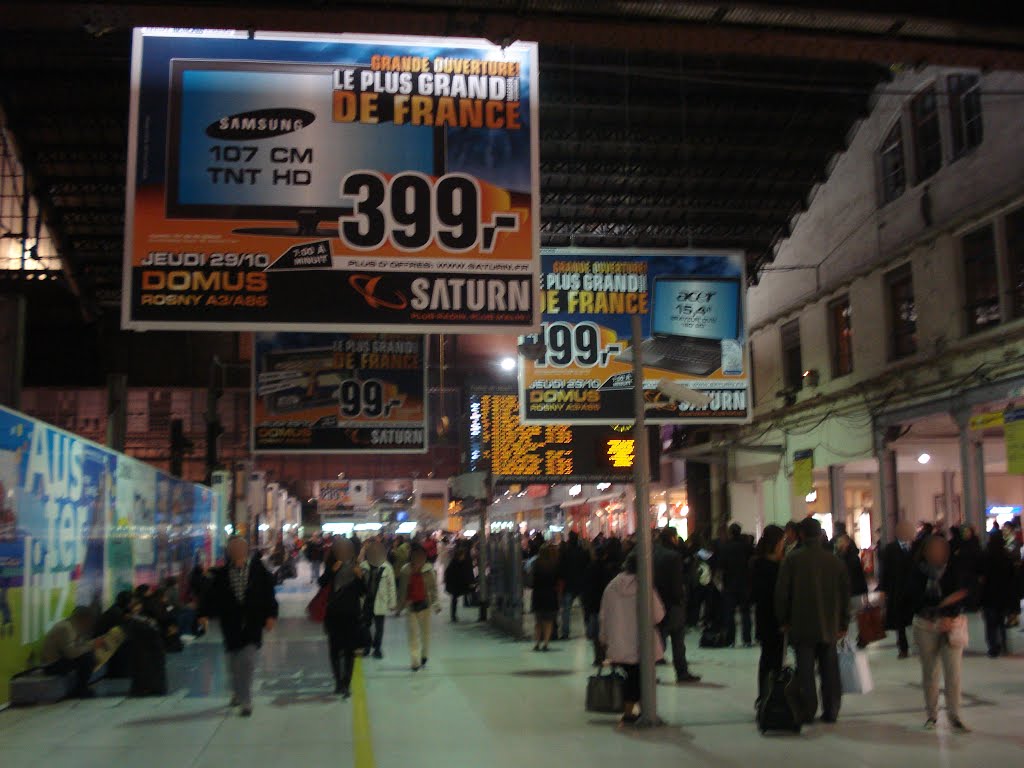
696	307
246	141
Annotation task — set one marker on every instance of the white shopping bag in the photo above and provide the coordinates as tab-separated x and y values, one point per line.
854	672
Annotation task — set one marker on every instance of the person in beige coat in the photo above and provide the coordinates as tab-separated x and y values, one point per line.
620	635
417	593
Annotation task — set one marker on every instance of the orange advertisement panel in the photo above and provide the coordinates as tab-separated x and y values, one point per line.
339	393
579	368
331	183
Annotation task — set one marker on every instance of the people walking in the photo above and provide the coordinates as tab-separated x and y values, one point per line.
315	555
417	593
603	567
620	633
344	579
847	552
572	566
896	566
241	594
459	578
381	597
764	574
544	578
733	561
998	593
937	595
812	603
670	582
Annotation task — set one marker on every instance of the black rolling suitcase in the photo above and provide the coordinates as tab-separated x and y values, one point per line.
780	708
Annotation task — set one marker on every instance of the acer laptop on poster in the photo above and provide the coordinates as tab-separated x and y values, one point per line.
695	324
246	141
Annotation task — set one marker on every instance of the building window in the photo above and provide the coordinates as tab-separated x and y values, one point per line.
792	364
894	168
841	334
1015	250
965	112
924	114
981	279
902	313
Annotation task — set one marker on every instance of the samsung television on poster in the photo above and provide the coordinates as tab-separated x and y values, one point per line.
331	183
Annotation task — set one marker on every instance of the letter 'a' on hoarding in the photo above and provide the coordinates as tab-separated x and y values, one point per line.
339	393
331	183
579	368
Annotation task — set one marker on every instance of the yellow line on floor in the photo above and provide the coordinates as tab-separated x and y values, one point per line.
361	732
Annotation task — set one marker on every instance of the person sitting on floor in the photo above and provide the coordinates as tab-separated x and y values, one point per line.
67	648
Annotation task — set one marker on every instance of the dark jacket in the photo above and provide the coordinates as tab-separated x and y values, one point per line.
459	577
812	596
998	581
572	567
919	603
896	566
343	616
668	576
764	574
855	572
600	573
241	623
733	561
968	557
545	589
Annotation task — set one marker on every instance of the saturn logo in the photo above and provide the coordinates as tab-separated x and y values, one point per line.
366	287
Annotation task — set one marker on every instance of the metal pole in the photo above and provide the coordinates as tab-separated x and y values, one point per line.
484	557
645	547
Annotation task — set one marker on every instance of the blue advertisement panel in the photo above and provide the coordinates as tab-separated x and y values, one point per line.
331	183
80	522
339	393
579	368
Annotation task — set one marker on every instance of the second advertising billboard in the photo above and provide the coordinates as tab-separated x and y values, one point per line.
579	368
339	393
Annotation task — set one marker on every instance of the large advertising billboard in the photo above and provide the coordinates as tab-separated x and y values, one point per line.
692	310
339	393
331	183
499	443
78	523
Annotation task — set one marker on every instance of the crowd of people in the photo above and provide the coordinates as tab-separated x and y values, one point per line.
795	589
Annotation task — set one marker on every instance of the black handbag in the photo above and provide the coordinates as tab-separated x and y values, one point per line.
605	692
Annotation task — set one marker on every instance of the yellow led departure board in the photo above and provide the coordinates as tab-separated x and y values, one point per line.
512	451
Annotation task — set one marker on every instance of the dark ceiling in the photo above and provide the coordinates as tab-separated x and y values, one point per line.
663	123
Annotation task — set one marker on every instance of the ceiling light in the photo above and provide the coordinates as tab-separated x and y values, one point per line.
508	364
811	497
924	458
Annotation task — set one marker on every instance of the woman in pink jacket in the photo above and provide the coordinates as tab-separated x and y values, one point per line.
619	635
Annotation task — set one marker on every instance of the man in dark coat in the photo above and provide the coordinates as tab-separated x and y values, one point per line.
812	603
669	580
896	566
242	595
733	561
572	571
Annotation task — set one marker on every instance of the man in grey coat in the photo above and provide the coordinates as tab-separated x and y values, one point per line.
812	598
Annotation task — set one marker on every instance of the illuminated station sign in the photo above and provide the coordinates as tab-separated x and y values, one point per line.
516	452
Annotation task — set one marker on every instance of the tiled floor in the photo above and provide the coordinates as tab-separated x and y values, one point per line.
484	700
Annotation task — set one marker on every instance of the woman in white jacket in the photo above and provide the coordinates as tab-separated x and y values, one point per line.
618	632
381	596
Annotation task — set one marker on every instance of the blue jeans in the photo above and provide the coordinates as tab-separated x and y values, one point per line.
568	598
